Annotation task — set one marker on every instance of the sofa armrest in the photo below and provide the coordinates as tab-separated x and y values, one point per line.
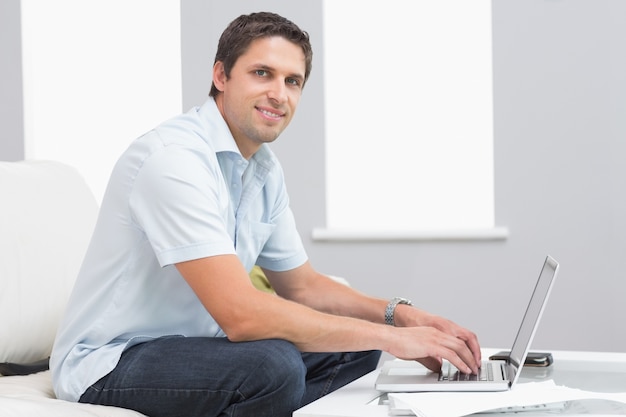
47	215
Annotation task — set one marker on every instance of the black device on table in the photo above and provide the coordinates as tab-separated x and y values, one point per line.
533	358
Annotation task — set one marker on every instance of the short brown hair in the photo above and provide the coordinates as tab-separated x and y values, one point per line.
237	37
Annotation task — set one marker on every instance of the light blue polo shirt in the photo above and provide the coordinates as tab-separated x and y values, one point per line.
180	192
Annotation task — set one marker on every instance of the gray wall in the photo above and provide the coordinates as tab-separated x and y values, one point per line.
11	107
560	132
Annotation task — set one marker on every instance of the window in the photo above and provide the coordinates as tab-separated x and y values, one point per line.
97	74
409	119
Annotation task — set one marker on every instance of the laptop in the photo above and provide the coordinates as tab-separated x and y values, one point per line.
495	375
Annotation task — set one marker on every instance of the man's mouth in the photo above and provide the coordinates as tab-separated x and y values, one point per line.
270	114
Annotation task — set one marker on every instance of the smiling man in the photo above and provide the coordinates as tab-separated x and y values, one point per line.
164	319
259	94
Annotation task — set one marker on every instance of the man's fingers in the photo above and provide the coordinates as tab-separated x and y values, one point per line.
461	356
434	364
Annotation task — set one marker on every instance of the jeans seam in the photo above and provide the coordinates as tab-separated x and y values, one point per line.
332	376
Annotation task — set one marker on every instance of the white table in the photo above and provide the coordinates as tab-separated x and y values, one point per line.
591	371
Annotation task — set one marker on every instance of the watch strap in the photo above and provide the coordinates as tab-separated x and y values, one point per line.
391	309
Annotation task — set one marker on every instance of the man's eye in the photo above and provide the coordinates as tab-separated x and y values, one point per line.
293	81
261	73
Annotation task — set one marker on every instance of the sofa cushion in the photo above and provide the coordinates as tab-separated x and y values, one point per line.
27	396
47	215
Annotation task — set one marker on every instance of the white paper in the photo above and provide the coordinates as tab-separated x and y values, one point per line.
457	404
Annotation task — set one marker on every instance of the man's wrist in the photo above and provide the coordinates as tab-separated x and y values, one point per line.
390	310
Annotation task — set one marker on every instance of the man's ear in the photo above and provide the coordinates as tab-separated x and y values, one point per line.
219	75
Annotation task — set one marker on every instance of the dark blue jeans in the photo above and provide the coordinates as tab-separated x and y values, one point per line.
197	376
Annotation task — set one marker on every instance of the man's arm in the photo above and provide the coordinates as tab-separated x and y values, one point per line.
339	319
305	285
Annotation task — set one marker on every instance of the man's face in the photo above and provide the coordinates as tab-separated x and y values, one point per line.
260	98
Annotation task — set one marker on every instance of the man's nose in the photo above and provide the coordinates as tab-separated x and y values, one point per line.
278	91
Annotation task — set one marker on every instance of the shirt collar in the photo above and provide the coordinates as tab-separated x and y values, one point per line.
221	138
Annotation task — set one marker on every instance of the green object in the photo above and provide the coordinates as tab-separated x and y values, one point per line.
260	281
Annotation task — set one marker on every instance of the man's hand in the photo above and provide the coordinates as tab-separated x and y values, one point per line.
456	344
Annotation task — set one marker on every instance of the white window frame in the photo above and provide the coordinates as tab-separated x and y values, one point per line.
97	74
409	121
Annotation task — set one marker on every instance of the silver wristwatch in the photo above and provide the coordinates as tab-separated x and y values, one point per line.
391	309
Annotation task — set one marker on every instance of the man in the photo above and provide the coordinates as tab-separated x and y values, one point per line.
164	319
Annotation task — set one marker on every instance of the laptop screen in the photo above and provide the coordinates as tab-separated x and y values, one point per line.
533	312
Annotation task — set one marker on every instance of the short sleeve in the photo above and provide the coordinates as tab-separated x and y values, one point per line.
180	202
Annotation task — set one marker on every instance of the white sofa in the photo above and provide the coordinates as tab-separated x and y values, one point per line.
47	213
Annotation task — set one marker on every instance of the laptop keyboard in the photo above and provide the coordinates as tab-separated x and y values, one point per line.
450	373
